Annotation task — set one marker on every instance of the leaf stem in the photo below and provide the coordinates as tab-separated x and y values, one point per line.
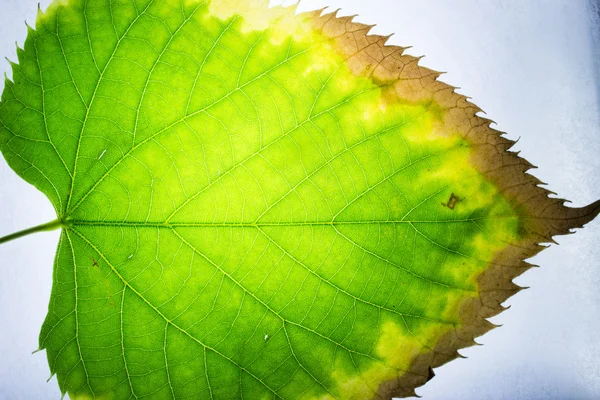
49	226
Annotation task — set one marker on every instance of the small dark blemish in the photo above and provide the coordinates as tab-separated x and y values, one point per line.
95	263
430	374
452	201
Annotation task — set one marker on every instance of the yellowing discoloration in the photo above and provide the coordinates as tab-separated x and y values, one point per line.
281	21
375	110
253	12
53	7
285	23
322	60
360	386
396	348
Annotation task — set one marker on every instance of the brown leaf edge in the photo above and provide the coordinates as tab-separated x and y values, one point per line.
403	79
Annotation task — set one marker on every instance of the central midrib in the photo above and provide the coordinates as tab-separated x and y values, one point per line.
172	225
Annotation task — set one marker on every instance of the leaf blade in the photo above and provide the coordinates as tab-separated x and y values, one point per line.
337	207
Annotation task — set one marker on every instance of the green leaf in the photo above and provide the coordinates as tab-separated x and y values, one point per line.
260	204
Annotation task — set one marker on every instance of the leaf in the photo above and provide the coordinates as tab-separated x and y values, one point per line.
260	204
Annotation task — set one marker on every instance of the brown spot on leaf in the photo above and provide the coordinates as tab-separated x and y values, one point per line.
452	201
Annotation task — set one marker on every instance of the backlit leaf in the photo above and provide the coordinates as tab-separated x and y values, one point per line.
259	204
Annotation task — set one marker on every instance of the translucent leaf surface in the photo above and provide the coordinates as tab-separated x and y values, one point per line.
258	204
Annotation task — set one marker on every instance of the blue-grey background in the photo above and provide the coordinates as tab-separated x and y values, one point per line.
533	65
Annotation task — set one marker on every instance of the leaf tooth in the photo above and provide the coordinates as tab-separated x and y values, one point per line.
384	38
528	166
292	7
20	53
313	14
7	81
492	311
14	67
521	288
476	109
492	299
350	19
485	120
39	15
12	63
485	325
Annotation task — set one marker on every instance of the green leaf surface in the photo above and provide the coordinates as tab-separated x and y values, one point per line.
258	204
